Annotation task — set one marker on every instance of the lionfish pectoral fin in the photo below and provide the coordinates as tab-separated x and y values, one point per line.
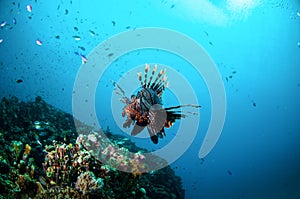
154	139
119	91
173	115
137	129
127	123
152	134
161	133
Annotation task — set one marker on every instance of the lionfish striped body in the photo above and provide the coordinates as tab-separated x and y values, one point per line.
145	109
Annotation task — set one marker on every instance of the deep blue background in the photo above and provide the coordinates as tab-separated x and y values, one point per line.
259	145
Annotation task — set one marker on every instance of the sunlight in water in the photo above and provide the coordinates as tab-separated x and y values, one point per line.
208	11
200	10
241	5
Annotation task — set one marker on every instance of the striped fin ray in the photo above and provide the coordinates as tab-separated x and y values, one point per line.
160	79
184	105
147	67
152	74
158	84
159	75
119	91
162	85
139	74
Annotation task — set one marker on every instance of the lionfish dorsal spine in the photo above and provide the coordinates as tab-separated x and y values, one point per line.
152	74
139	74
161	83
146	73
158	79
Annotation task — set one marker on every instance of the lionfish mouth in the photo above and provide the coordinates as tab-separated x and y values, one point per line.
145	109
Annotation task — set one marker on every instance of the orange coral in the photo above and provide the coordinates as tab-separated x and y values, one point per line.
27	149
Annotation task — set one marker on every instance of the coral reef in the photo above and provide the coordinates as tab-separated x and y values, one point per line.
87	183
43	155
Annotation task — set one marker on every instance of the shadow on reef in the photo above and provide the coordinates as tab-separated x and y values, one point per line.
43	156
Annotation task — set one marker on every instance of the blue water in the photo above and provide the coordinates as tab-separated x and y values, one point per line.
258	153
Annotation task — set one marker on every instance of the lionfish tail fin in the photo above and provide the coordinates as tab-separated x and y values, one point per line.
157	82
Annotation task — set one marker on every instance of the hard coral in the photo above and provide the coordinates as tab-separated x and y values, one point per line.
87	183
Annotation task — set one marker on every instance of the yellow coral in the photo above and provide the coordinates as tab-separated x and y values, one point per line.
27	149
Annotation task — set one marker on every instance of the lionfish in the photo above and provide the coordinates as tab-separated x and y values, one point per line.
145	109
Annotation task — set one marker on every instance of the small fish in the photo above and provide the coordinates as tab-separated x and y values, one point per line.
66	11
75	28
38	141
234	72
92	33
113	23
3	23
210	43
39	42
81	47
206	33
254	104
76	37
19	81
14	21
230	76
57	37
202	160
120	142
229	172
127	27
152	172
29	8
110	54
83	58
172	6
